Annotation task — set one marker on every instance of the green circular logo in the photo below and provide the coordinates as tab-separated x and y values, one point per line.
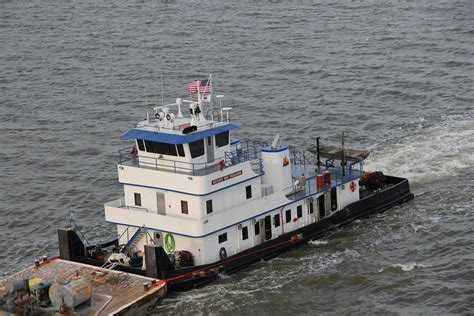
169	243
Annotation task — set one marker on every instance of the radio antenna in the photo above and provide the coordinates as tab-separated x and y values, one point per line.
162	100
146	104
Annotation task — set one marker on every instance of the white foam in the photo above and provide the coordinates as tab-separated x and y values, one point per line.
405	267
318	242
427	154
408	266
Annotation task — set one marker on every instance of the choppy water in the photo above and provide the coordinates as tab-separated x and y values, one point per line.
397	76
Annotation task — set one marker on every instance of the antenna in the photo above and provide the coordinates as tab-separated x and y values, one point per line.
318	154
146	104
219	97
342	156
162	102
212	86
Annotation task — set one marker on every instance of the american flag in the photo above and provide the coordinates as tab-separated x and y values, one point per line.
204	86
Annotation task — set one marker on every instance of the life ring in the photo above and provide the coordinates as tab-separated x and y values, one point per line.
353	186
169	243
222	253
158	116
168	117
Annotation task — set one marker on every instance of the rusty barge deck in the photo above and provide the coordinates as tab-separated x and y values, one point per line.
112	292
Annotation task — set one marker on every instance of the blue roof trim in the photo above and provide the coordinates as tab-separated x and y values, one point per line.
135	133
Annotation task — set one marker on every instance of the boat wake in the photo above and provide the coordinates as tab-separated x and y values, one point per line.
398	267
427	154
318	242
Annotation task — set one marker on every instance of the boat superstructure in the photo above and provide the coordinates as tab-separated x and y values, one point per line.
198	201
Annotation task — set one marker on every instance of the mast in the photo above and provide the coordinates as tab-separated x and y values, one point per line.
342	156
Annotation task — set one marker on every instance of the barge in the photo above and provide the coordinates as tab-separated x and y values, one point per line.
198	202
53	286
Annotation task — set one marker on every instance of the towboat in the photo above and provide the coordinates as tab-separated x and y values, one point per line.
198	202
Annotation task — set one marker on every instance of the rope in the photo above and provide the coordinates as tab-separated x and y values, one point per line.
158	282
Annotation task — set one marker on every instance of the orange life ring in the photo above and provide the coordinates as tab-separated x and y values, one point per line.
353	186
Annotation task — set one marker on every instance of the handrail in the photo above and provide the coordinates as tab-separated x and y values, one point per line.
336	179
247	151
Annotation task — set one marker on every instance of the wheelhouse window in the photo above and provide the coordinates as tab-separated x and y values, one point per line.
141	144
288	216
245	233
209	206
138	199
180	148
299	211
257	229
222	139
161	148
276	220
197	148
248	191
311	208
184	207
222	238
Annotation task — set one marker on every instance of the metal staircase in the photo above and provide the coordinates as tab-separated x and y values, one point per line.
132	242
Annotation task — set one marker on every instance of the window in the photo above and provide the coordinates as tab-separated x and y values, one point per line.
197	148
180	148
245	233
222	139
222	238
209	206
160	148
276	220
209	141
288	216
141	144
184	207
311	208
138	199
257	229
248	191
299	211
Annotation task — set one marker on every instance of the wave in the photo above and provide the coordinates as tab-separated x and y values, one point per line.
398	267
318	242
427	154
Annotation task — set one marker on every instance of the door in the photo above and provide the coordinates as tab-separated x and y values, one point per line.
313	210
259	227
268	227
333	199
321	206
210	149
160	203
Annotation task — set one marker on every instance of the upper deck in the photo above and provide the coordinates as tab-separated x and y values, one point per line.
239	153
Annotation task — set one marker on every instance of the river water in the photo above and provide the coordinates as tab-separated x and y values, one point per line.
396	76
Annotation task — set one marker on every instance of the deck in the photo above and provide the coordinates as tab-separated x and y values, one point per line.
113	292
310	171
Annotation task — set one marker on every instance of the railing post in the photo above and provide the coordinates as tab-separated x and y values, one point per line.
174	163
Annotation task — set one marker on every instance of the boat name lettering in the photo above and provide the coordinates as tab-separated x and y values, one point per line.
227	177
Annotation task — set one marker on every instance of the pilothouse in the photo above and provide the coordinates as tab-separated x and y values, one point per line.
198	201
